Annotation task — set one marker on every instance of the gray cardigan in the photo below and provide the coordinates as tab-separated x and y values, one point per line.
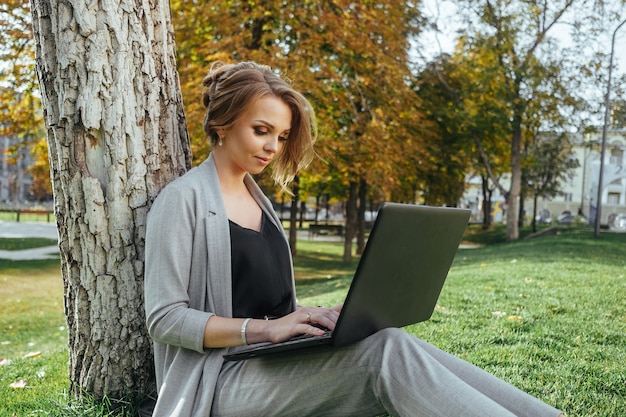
188	279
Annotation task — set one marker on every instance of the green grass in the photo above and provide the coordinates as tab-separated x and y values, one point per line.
546	314
25	243
33	336
11	215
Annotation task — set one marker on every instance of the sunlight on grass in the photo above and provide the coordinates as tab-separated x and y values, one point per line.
33	336
545	314
539	313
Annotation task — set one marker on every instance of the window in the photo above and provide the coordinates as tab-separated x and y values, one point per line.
617	156
613	198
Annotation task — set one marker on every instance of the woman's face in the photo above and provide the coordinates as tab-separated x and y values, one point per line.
258	136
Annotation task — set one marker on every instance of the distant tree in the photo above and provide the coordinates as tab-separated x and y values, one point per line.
618	112
20	106
514	56
468	115
449	148
41	189
548	162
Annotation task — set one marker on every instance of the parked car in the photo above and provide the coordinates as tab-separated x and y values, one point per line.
565	218
617	222
543	217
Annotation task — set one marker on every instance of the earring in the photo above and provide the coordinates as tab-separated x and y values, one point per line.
220	142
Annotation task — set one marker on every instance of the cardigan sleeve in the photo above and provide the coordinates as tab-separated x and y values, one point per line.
170	316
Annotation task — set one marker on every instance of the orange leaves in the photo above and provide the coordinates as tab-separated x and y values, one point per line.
349	58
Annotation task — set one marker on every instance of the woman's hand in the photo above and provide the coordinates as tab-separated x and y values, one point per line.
305	320
224	332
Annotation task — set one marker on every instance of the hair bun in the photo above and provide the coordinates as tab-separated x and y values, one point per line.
211	81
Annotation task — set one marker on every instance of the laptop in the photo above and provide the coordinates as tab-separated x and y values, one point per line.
397	281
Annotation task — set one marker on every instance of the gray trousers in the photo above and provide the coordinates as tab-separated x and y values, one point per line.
389	372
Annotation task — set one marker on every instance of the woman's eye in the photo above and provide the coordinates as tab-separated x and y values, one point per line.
283	138
259	131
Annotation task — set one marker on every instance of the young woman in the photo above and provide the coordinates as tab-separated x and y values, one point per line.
218	264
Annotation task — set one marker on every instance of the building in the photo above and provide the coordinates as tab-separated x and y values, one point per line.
15	182
579	194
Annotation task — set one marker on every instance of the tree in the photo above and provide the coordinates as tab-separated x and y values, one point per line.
515	53
450	149
349	58
39	171
20	107
548	161
618	113
116	136
468	115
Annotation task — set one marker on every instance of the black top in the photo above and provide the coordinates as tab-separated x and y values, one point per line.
261	272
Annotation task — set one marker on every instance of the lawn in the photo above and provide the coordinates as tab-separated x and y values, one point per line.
546	314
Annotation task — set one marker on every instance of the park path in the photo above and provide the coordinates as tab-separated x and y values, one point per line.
48	230
29	229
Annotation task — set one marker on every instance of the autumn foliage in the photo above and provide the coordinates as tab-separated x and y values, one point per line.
20	108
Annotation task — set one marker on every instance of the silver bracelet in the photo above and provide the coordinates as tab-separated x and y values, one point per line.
243	331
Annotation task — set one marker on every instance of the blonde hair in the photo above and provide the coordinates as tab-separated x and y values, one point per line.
229	89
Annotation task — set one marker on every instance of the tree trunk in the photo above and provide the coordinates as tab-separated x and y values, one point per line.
293	216
116	137
487	203
512	230
520	211
360	220
534	222
350	229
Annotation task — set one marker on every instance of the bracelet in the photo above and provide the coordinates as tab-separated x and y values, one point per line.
243	331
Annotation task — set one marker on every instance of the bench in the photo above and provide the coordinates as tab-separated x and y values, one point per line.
325	229
46	213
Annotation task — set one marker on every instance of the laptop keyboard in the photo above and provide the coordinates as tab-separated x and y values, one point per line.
327	333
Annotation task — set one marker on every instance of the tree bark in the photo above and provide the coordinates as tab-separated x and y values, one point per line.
351	221
116	135
512	197
360	219
293	216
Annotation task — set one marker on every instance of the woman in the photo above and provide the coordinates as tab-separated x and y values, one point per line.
218	265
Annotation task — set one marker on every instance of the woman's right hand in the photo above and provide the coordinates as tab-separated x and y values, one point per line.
304	320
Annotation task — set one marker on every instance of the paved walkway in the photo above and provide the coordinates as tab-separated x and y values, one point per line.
49	230
27	229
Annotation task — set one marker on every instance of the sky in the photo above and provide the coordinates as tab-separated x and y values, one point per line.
430	45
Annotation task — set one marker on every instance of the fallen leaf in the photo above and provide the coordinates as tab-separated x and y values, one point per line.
441	309
19	384
4	361
32	355
518	319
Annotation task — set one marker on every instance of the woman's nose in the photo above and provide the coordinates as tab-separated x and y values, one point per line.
273	144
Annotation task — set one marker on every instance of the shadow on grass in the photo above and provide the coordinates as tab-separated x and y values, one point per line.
319	268
575	244
8	264
25	243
